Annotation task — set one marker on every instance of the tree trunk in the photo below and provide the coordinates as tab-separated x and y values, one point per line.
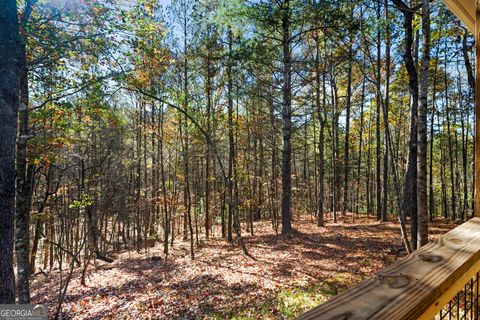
450	147
384	213
334	150
274	161
410	187
431	196
359	162
287	123
25	173
468	64
321	142
422	130
347	125
138	177
232	205
208	151
9	104
471	84
377	115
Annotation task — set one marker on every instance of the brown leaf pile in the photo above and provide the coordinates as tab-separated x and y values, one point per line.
222	282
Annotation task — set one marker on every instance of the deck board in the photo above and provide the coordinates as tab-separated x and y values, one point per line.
414	285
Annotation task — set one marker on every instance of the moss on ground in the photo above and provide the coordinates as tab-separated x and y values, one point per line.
288	303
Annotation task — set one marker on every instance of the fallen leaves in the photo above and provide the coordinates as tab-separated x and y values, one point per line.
285	277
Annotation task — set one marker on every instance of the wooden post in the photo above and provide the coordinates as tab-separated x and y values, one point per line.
476	209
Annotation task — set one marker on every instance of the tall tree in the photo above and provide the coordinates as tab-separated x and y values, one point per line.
232	203
322	120
386	105
410	186
9	104
378	114
422	129
347	117
287	119
24	183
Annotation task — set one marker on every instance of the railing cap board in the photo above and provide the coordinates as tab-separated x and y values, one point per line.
464	10
416	286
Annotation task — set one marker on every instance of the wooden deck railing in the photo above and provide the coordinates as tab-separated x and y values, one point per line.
438	281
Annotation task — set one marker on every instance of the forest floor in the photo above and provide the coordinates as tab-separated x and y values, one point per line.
284	277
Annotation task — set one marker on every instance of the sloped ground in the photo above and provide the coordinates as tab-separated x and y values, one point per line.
282	279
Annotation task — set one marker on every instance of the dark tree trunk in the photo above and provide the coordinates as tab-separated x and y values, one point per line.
422	129
138	177
464	162
471	84
274	162
232	205
368	183
468	64
347	127
187	195
410	187
208	92
321	144
334	150
9	103
377	115
164	186
384	214
25	174
450	146
359	162
443	179
431	197
287	122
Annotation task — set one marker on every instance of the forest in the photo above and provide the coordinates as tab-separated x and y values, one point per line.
225	159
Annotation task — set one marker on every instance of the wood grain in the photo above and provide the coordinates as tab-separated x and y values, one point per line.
477	109
464	10
416	286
